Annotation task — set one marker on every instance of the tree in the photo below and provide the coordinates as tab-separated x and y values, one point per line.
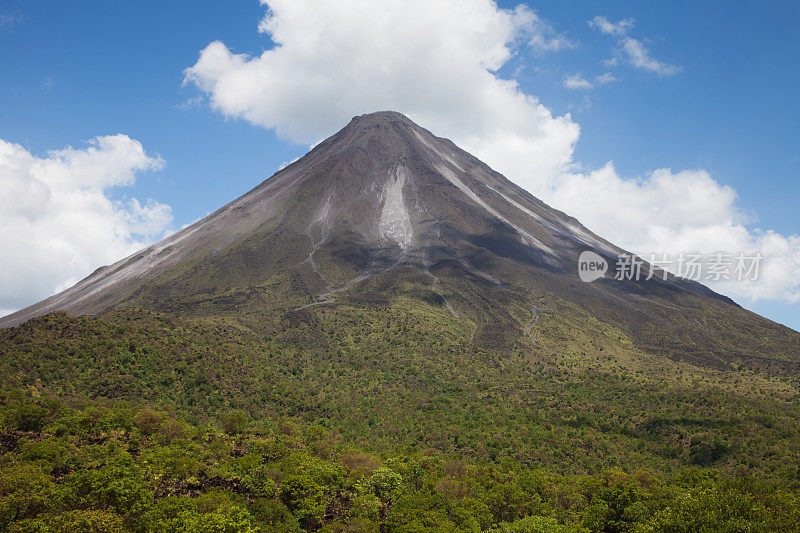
382	489
117	486
305	498
29	417
234	422
148	421
24	492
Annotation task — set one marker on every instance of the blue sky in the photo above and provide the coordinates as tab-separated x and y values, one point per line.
70	72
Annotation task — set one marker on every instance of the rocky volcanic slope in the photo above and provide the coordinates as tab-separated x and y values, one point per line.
384	209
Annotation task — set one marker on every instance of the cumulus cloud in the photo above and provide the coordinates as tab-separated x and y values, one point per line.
438	62
57	220
434	61
633	50
681	213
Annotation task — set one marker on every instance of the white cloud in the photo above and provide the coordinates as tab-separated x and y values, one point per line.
191	103
434	61
57	221
607	77
678	213
577	81
437	62
543	37
603	25
631	49
640	57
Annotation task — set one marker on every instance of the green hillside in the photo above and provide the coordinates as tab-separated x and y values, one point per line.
355	418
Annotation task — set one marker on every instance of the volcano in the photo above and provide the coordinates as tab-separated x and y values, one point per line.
385	210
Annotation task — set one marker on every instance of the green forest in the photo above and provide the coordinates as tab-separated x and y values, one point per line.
387	419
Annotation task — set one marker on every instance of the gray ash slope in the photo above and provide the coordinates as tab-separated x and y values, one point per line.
385	208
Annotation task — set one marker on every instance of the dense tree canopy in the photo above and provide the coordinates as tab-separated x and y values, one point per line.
386	421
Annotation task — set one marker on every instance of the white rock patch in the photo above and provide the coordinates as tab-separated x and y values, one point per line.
395	222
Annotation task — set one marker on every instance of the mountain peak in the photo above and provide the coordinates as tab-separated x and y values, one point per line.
382	210
383	127
381	117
